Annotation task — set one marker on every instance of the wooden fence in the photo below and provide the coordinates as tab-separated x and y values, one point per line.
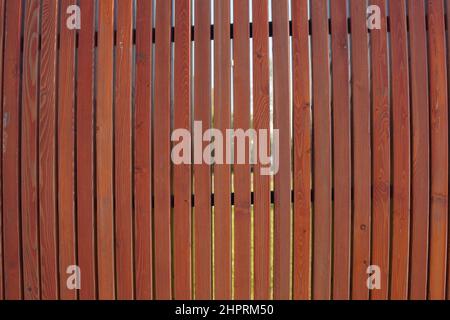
87	178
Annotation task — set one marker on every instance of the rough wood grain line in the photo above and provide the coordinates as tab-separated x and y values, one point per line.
420	183
123	152
381	171
322	152
401	152
2	25
361	151
143	151
10	149
162	213
439	150
104	145
261	121
448	243
342	151
47	152
282	220
222	174
302	150
29	136
66	152
242	188
202	171
85	153
182	172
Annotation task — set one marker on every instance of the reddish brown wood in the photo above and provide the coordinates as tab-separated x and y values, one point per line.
104	152
162	230
381	171
123	152
342	151
29	149
2	27
11	152
182	173
143	152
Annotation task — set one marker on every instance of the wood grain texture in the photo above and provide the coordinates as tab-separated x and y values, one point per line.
361	151
85	154
381	171
261	121
182	190
242	188
420	135
2	34
222	173
341	151
29	147
143	152
162	213
47	152
123	152
104	151
322	152
66	152
13	282
439	150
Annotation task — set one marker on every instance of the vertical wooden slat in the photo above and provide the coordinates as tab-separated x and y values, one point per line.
361	151
242	219
222	174
85	153
11	157
420	183
162	230
322	151
381	171
182	173
47	152
302	150
282	220
202	171
261	121
401	152
439	150
66	151
2	27
104	145
123	152
143	151
342	151
29	187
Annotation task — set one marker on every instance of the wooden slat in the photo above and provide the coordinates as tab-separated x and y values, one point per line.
282	218
401	152
2	27
439	150
29	144
342	151
104	155
261	121
222	174
123	152
66	149
143	151
47	152
11	153
85	153
182	173
242	218
361	151
322	152
420	183
202	171
162	230
381	171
